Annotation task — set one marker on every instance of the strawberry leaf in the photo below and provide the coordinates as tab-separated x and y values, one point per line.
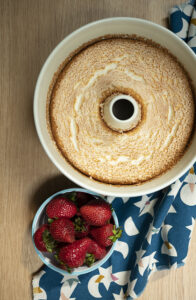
72	196
89	260
79	225
111	207
49	242
50	221
69	270
58	259
117	232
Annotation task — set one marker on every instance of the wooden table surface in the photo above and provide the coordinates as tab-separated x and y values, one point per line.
29	30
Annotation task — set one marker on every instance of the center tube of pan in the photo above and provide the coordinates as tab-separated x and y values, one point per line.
121	112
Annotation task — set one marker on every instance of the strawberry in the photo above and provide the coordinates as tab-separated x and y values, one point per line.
96	212
79	198
106	234
61	207
73	255
98	251
95	252
43	239
82	198
62	230
81	228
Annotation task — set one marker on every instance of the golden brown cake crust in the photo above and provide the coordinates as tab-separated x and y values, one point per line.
133	66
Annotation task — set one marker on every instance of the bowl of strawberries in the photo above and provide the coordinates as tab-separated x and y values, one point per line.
75	231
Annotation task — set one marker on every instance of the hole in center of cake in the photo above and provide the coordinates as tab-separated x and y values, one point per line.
123	109
121	112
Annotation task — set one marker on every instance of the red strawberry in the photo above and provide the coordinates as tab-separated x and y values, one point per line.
96	212
62	230
82	198
61	207
73	255
79	198
106	234
81	228
98	251
43	239
94	252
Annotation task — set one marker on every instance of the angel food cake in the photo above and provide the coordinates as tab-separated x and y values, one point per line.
154	79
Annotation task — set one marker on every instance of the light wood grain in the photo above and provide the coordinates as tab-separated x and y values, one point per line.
29	30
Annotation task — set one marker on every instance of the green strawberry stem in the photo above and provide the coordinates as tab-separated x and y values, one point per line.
79	225
111	207
72	196
58	259
49	242
50	221
89	260
117	232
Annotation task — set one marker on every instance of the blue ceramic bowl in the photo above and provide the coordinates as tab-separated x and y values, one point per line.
47	258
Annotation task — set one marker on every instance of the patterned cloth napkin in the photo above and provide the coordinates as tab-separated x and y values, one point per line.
183	22
157	227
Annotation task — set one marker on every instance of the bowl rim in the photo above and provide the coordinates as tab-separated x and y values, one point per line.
100	189
40	254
